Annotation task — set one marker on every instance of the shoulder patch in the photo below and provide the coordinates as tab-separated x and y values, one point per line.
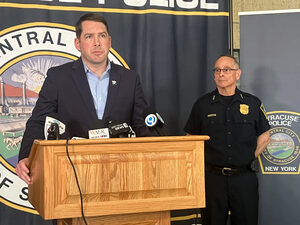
262	108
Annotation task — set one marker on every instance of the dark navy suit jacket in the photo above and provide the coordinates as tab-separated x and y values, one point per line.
66	94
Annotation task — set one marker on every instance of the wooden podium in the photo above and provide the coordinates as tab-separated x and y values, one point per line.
123	181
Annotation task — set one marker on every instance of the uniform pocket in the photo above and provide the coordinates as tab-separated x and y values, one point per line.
214	127
244	128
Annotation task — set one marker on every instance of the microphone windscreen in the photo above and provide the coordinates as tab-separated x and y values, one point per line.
154	121
52	118
151	120
118	129
98	130
98	124
53	132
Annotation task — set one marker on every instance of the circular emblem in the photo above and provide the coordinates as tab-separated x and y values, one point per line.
151	120
284	146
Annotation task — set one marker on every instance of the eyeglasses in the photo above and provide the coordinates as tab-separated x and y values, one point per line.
225	70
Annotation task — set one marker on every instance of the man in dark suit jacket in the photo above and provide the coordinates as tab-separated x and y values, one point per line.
68	92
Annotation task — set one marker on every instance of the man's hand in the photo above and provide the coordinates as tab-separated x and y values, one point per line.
262	142
23	171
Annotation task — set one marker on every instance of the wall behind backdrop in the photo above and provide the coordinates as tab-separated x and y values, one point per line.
172	44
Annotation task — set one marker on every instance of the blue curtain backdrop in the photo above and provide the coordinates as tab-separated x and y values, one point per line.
172	44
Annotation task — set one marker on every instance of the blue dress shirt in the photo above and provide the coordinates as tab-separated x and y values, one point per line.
99	88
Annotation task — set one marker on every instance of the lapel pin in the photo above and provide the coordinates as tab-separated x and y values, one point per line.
114	82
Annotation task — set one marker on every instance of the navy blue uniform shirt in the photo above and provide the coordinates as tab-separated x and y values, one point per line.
233	128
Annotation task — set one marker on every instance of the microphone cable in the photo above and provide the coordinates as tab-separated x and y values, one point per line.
77	182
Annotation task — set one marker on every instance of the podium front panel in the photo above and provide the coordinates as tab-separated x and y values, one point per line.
119	176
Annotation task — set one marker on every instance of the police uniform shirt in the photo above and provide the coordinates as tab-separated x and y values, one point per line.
233	128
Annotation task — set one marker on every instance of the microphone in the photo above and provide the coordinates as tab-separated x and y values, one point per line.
53	132
155	121
53	128
99	130
120	130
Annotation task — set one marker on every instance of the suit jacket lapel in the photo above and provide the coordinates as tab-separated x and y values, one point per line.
113	88
83	87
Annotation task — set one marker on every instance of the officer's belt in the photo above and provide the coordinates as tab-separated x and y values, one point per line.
226	170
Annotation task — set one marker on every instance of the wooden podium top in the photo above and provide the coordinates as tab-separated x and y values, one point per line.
117	176
124	140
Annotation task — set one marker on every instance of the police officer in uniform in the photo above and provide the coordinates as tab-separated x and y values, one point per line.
239	131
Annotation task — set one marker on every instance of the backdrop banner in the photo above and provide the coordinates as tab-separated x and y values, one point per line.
270	55
172	44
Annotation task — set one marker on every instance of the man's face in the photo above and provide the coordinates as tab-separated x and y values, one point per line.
226	73
94	43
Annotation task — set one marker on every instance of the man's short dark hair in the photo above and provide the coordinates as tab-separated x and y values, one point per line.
92	17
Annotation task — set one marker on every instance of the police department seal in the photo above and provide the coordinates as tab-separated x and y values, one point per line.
282	154
284	146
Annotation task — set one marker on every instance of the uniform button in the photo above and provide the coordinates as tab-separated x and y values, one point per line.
228	108
229	158
228	121
228	132
229	146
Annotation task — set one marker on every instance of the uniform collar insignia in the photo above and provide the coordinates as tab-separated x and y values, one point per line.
211	115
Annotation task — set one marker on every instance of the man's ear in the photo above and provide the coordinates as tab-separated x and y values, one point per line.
109	41
77	44
238	74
